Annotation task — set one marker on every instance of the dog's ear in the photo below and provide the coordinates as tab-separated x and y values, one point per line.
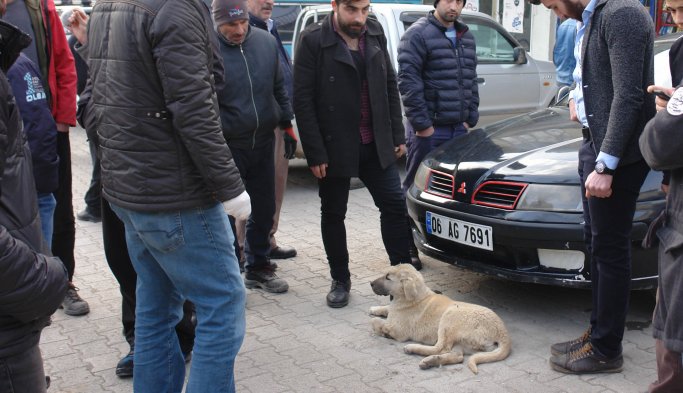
409	288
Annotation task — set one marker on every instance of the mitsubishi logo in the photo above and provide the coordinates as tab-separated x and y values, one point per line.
463	188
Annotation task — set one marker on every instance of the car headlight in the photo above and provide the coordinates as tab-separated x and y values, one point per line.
559	198
421	177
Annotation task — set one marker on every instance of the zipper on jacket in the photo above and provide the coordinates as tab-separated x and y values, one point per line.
253	101
461	64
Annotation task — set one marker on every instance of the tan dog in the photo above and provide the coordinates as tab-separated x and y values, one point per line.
449	328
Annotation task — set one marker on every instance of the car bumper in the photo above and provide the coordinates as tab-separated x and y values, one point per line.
549	250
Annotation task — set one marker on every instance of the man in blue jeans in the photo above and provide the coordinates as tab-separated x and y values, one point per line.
169	175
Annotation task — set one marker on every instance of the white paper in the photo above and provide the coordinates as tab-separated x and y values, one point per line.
513	16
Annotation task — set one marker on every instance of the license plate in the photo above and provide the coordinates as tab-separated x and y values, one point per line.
463	232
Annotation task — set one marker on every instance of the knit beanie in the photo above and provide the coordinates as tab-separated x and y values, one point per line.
437	2
226	11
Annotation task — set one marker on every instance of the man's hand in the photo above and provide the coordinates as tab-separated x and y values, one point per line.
319	171
290	142
427	132
573	116
239	206
599	186
467	126
78	24
400	150
61	127
660	103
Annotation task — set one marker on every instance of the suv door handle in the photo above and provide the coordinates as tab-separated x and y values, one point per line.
480	80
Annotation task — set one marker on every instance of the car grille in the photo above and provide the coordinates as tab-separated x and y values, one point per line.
499	194
440	184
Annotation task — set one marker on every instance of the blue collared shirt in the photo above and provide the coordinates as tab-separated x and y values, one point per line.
577	94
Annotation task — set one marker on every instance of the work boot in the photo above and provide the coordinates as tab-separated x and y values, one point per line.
266	279
124	368
339	294
88	215
73	304
282	252
572	345
586	361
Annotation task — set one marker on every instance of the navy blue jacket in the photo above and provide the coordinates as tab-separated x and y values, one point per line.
285	61
438	81
39	125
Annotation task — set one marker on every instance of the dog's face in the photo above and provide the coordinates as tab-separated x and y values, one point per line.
401	281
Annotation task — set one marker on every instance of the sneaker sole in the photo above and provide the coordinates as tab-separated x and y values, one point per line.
75	313
567	371
337	305
251	284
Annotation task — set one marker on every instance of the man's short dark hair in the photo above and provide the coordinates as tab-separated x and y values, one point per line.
347	2
535	2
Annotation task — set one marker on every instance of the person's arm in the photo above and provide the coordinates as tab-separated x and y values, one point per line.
474	105
180	52
411	56
662	140
280	91
305	75
64	91
395	111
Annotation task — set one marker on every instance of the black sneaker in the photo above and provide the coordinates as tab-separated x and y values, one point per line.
87	215
572	345
73	304
124	368
415	258
339	294
266	279
586	361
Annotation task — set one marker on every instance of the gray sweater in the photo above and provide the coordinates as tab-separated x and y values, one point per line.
616	70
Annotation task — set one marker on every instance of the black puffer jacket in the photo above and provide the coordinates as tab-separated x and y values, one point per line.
438	81
32	285
154	106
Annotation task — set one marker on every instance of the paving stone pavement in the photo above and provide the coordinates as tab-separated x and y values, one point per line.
295	343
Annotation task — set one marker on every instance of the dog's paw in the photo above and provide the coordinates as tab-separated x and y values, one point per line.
409	349
379	311
429	362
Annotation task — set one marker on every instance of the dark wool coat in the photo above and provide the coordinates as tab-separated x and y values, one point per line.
438	82
662	146
327	98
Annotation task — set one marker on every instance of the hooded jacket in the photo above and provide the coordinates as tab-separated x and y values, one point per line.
253	100
32	283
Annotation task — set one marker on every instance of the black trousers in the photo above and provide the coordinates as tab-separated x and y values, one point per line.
23	373
94	193
116	253
608	223
64	235
257	169
385	187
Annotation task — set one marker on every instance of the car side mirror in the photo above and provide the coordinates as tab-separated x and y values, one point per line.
519	55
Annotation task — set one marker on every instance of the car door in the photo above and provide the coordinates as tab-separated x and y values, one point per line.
505	86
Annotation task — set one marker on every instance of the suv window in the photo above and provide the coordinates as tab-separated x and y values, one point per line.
492	46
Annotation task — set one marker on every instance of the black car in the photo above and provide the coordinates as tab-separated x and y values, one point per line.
505	200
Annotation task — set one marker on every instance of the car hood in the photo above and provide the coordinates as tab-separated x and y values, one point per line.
538	147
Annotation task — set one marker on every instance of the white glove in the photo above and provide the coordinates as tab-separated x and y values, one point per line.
239	206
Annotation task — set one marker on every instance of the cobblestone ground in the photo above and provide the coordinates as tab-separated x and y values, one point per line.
295	343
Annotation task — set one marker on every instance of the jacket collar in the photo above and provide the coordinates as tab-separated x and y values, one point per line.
460	28
231	44
328	36
257	22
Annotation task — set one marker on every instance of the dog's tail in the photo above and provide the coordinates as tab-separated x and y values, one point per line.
500	353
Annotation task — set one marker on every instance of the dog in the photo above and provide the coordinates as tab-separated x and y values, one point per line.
449	329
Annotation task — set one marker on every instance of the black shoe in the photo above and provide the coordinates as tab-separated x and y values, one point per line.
87	215
415	258
282	252
339	294
266	279
572	345
586	361
124	368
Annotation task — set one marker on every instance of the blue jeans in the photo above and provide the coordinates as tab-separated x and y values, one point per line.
46	208
419	147
180	255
